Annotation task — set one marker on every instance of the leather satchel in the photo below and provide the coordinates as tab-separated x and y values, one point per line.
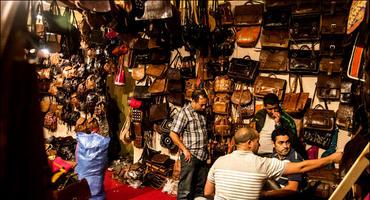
273	60
241	96
344	117
331	65
248	14
247	111
275	38
335	7
332	45
223	84
158	87
334	24
138	73
318	138
303	61
296	103
276	18
156	70
301	7
319	119
248	36
328	87
221	104
244	69
159	111
264	85
345	92
187	68
222	126
305	27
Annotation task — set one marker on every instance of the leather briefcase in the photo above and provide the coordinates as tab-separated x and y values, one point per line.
221	104
331	65
296	103
244	69
332	45
344	117
275	38
305	27
248	14
328	87
334	24
272	60
159	111
264	85
247	36
319	119
303	61
276	18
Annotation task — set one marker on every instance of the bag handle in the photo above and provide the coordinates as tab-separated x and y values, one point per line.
293	85
54	8
272	74
319	106
247	57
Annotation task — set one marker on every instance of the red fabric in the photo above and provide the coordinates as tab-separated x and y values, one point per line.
117	191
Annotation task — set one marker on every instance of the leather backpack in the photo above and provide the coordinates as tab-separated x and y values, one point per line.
221	103
222	125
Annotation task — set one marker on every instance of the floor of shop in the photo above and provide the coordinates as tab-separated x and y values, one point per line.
118	191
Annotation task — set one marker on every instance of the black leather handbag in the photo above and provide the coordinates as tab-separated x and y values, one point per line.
332	45
328	87
244	69
305	27
276	18
303	61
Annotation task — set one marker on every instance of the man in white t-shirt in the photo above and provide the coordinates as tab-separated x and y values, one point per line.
241	174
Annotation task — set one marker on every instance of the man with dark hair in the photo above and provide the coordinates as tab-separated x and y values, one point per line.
241	174
190	125
272	117
284	152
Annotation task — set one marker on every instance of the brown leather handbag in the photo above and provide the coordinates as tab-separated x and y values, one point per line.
222	125
248	36
264	85
138	73
156	70
223	84
159	111
158	87
334	24
296	103
176	99
273	60
319	119
331	65
221	104
248	14
328	87
241	95
344	117
275	38
244	69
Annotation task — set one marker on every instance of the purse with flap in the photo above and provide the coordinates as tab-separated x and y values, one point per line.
305	27
275	38
221	104
332	46
296	103
158	87
303	61
344	117
141	92
248	36
328	87
244	69
319	119
273	60
334	24
248	14
222	125
264	85
241	95
223	84
331	65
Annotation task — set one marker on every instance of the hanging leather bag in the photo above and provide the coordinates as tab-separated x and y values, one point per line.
159	111
248	14
275	38
244	69
272	60
344	117
158	87
303	60
328	87
305	27
247	36
264	85
222	125
296	103
221	104
156	70
334	24
141	91
241	95
138	73
223	84
331	65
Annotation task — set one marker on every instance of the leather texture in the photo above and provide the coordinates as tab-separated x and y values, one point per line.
264	85
273	60
244	69
248	36
275	38
328	87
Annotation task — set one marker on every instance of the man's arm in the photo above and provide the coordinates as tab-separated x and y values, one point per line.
308	165
209	190
176	140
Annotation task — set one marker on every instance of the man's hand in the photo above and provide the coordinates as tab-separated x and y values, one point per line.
187	155
276	116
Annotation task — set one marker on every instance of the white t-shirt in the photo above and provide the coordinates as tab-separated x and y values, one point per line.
241	175
265	136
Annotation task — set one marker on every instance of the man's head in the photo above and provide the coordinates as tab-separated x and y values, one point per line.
271	104
247	139
281	141
199	100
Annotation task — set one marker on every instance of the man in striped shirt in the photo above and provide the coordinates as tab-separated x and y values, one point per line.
190	125
241	174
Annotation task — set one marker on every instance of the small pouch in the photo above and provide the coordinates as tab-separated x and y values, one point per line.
244	69
332	45
136	115
305	27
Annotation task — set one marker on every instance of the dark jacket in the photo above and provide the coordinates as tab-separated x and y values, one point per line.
286	122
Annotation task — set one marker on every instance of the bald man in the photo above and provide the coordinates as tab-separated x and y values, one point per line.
241	174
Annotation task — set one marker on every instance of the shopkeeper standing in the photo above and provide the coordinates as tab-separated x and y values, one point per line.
190	125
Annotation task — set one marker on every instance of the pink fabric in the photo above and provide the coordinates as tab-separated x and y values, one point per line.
120	77
59	163
313	152
134	103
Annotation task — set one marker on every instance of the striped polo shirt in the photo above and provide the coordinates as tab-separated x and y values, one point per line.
241	174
